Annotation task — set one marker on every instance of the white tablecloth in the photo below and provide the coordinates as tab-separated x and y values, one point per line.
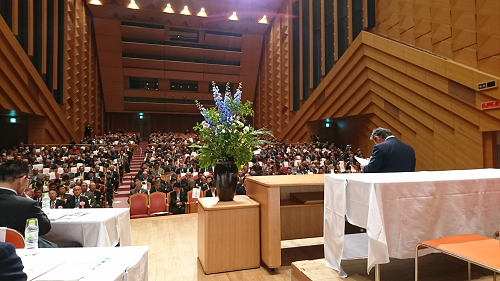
95	228
399	210
114	263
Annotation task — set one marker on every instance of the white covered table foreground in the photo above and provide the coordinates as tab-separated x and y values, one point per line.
90	227
114	263
399	210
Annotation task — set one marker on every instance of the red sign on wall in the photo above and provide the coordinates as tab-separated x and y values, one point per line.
490	104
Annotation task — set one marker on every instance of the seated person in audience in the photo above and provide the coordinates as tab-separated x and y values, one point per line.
90	176
109	189
38	195
211	192
61	191
88	194
97	171
11	264
170	184
114	177
184	181
51	186
156	170
178	198
240	187
138	189
202	182
78	201
191	183
46	179
36	175
158	187
66	181
96	193
15	209
66	171
81	173
54	201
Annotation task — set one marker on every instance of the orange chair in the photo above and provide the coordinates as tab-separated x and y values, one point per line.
15	238
157	204
168	200
139	206
472	248
193	203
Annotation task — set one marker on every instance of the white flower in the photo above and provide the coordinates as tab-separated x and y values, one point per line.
246	129
239	124
223	131
205	124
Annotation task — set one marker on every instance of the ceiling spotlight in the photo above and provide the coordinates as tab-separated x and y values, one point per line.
95	2
233	16
168	9
185	11
202	13
133	5
263	20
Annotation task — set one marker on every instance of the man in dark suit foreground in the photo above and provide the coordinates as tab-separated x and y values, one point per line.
389	154
10	264
14	209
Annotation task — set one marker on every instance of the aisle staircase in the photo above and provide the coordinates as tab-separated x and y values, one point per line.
120	200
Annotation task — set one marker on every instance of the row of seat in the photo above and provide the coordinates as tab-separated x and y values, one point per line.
157	203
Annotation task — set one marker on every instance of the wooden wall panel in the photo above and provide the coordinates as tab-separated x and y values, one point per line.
24	86
272	103
379	82
467	32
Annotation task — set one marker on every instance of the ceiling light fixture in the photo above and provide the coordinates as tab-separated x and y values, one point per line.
263	20
233	16
95	2
133	5
185	11
168	9
202	13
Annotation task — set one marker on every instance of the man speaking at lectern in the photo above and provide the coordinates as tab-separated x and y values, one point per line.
389	154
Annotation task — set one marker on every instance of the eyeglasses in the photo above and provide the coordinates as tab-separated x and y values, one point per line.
26	176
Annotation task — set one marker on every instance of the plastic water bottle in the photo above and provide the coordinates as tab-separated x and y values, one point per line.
45	201
31	237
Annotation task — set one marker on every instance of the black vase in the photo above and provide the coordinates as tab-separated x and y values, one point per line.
226	179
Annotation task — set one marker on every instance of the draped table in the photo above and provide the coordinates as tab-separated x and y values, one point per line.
114	263
90	227
399	210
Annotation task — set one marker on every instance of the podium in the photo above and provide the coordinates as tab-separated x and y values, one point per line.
228	234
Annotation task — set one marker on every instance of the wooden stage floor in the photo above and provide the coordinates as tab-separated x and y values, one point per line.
172	242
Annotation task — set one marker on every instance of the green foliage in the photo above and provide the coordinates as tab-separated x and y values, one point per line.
224	134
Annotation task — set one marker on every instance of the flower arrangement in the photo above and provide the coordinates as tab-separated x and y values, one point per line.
224	134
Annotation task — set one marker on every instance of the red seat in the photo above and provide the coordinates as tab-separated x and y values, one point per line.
139	206
157	204
15	238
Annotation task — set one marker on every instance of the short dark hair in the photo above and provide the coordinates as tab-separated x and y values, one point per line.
11	170
177	185
380	132
65	177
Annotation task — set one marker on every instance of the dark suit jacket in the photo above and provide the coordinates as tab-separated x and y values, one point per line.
38	200
240	190
10	263
391	156
173	200
15	210
58	203
71	201
209	193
